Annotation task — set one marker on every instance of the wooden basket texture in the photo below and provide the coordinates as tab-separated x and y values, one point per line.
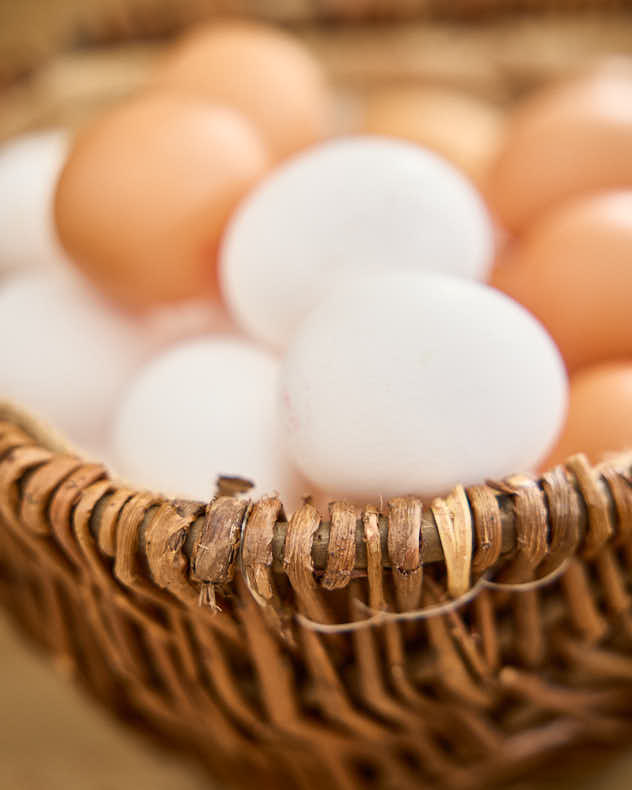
459	643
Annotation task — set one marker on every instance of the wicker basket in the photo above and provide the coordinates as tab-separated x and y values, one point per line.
459	644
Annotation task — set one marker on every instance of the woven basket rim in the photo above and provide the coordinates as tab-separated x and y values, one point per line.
591	498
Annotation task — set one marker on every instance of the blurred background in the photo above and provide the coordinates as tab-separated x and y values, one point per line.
494	49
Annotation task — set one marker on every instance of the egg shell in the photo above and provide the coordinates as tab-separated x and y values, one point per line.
265	73
573	271
410	383
599	420
65	353
465	130
204	408
340	210
29	167
567	140
146	191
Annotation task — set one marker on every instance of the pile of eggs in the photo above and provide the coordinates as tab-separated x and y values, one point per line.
210	281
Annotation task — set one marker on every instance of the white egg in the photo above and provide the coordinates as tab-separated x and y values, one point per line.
409	383
29	166
65	353
205	408
347	208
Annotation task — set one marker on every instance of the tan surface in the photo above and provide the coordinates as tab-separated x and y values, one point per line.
53	738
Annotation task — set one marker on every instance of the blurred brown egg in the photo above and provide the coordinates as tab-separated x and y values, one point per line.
263	72
573	271
145	193
570	139
463	129
599	419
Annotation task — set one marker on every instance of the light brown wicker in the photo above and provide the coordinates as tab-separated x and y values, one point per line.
275	648
456	644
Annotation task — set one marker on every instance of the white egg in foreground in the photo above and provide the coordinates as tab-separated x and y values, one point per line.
29	167
65	353
347	208
411	383
203	409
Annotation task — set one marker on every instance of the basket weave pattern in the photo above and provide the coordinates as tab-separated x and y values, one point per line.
183	615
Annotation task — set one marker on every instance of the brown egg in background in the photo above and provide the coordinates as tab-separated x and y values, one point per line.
599	419
463	129
573	271
146	190
569	139
261	71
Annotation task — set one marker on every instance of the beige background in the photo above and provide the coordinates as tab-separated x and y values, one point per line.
53	738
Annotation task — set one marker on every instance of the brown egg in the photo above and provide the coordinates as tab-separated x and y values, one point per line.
263	72
570	139
463	129
573	270
145	193
599	419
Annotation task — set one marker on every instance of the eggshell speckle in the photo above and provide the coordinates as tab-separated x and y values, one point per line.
146	191
570	139
263	72
573	271
29	167
64	353
344	209
599	418
465	130
412	382
205	408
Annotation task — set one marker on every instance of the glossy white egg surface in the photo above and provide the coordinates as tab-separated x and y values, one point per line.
204	408
409	383
65	353
347	208
29	166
